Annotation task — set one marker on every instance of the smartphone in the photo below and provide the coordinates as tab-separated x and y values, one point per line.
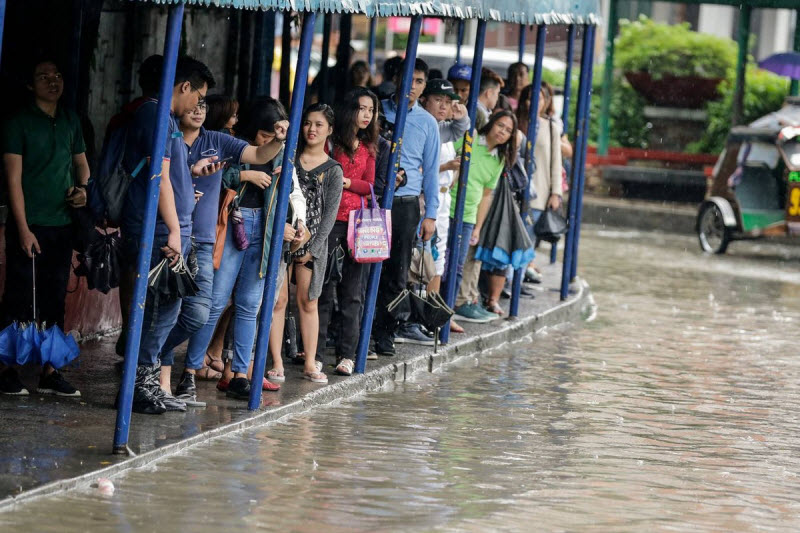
224	161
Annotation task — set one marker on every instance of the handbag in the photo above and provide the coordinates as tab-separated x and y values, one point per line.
550	226
369	232
225	201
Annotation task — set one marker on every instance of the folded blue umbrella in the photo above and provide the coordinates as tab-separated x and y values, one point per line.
57	348
29	342
8	344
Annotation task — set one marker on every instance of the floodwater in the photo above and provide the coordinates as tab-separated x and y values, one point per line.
676	409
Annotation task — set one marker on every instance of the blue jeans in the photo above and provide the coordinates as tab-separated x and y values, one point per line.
463	248
159	317
194	309
237	275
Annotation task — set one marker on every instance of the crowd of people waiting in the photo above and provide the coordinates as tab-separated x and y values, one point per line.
217	203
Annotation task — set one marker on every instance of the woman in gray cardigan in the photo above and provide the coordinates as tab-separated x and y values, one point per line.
320	179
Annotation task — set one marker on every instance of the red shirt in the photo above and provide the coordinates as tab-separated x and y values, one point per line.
360	170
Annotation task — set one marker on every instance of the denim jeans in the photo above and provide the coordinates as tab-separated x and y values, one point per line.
159	317
463	248
194	309
237	275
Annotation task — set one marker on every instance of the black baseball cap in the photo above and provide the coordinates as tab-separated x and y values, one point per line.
440	86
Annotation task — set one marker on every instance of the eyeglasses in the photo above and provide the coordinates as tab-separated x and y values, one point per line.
201	107
504	129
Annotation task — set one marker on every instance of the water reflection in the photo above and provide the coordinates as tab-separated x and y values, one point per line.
675	410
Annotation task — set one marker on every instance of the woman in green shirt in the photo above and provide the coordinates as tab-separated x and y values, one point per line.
496	144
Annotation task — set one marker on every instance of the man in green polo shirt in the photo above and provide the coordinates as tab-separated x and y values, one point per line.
47	171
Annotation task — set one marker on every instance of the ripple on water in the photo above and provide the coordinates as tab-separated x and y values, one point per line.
675	410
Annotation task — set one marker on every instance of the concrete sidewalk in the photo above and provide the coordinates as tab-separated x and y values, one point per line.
50	444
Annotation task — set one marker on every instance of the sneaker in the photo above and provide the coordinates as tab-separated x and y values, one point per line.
531	276
490	315
145	395
171	402
371	355
223	384
10	383
54	383
187	391
473	313
384	347
239	389
409	333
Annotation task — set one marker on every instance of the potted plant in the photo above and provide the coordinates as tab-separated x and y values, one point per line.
671	65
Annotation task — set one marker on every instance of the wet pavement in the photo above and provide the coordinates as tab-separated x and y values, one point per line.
44	440
675	409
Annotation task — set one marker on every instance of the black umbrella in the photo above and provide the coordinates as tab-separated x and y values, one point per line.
400	308
430	311
165	282
100	263
504	240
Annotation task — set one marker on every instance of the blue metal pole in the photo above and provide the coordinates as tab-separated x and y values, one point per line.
582	169
281	208
565	109
171	43
459	40
533	131
522	29
373	28
388	192
454	238
580	129
2	22
568	76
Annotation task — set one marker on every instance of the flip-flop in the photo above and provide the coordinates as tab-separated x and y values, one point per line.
269	386
315	377
276	376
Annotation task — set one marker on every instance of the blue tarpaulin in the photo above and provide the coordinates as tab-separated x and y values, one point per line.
517	11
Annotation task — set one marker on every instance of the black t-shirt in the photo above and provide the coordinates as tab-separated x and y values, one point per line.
253	197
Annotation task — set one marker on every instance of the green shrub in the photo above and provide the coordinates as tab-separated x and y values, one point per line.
663	49
764	93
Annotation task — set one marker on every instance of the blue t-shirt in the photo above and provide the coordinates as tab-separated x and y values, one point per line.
208	144
139	142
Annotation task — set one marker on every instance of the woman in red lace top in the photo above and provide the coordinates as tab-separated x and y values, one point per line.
355	138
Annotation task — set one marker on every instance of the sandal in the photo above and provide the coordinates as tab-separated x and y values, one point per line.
492	307
269	386
315	377
345	367
455	327
276	376
209	372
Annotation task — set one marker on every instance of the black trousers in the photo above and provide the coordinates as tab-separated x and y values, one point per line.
394	275
52	275
349	293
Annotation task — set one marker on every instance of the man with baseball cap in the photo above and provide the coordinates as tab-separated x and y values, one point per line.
443	103
460	76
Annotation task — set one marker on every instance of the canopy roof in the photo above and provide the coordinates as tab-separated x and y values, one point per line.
517	11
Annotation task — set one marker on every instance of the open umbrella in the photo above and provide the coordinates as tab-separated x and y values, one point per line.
8	344
504	240
57	348
784	64
400	308
29	344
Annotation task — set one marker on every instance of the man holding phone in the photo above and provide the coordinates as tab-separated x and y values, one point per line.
208	153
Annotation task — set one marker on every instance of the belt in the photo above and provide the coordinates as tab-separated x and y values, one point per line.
401	199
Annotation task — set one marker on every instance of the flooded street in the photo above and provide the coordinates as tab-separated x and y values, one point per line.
676	409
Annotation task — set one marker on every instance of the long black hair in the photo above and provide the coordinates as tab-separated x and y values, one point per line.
508	150
220	110
346	130
261	114
327	112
